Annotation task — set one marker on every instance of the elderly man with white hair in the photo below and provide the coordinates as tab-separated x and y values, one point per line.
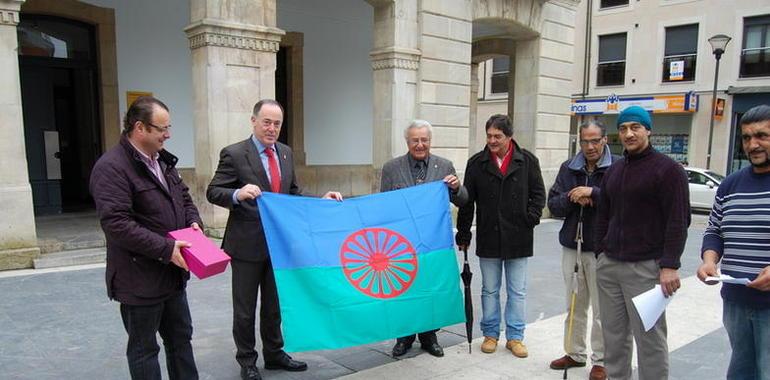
416	167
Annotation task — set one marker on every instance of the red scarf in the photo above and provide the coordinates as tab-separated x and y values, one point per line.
506	160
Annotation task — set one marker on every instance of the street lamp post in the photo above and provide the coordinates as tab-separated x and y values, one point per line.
718	44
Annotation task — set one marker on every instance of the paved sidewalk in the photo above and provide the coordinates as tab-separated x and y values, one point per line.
59	323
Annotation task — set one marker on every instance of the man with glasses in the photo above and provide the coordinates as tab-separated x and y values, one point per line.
415	167
246	169
139	198
641	228
574	197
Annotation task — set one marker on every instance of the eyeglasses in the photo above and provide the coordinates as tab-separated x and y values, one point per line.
267	122
417	141
165	129
593	142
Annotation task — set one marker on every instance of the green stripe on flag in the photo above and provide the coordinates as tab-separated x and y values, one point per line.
320	309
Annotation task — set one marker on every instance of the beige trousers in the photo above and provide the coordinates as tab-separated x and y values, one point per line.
587	295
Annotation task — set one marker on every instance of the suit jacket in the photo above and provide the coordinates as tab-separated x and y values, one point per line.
396	174
240	164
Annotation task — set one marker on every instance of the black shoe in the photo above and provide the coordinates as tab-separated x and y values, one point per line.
401	348
250	373
287	363
433	349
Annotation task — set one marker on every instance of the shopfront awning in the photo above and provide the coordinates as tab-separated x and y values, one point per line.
678	103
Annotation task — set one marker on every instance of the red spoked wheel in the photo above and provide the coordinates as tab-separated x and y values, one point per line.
379	262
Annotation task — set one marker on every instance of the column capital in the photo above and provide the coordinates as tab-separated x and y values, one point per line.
9	12
213	32
395	58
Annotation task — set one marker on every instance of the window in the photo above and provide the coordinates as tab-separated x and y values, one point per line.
680	53
499	80
755	56
612	3
612	60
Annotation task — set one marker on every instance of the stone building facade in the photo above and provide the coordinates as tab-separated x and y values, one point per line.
423	59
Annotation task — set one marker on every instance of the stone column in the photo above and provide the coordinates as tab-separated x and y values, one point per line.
445	76
395	60
476	135
234	47
18	240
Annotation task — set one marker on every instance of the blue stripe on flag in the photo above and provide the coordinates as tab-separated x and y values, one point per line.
309	232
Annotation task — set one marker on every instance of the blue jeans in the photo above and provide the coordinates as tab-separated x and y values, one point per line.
515	305
749	332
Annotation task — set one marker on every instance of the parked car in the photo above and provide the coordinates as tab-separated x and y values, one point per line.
703	187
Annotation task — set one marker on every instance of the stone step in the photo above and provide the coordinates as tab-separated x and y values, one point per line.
49	246
72	257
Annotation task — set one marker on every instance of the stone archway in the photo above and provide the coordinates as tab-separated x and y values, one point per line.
103	19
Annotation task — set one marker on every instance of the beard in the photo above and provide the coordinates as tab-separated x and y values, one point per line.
762	164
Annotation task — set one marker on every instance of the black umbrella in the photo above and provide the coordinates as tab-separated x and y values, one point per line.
466	275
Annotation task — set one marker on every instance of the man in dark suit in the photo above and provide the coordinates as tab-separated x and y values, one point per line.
259	163
416	167
139	198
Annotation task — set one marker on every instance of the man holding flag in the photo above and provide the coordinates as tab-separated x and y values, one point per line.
414	168
246	169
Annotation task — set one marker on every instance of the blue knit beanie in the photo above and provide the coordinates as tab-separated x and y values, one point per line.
637	114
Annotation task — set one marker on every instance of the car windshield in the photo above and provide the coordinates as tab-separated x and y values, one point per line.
716	176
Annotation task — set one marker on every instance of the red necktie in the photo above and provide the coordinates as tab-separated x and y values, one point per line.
275	175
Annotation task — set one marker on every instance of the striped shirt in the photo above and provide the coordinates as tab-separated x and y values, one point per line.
739	232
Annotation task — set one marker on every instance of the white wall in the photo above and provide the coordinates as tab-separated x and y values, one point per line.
153	55
337	77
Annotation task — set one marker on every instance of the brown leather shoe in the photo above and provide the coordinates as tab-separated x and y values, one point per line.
566	362
597	373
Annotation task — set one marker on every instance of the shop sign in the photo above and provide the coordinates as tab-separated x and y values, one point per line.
719	109
687	102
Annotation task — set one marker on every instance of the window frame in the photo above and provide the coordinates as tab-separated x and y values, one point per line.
764	21
667	59
603	64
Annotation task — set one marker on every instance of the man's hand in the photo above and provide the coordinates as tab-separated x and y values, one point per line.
336	195
580	192
585	202
195	226
249	192
452	181
176	255
669	281
762	282
709	267
463	247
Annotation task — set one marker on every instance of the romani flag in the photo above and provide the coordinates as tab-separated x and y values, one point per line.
363	270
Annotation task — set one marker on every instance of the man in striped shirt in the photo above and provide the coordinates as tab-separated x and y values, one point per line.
738	234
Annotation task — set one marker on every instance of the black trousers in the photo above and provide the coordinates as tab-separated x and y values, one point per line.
426	337
249	277
171	318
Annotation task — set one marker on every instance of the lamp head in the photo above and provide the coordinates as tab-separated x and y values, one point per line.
718	44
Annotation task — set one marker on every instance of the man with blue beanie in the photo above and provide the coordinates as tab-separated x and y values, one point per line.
640	232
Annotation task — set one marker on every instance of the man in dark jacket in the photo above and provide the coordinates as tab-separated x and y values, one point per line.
505	184
139	198
574	196
246	168
641	229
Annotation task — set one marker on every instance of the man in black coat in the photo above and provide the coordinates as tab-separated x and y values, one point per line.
505	184
139	198
258	163
574	196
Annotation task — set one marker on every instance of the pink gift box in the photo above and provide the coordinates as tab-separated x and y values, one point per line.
203	258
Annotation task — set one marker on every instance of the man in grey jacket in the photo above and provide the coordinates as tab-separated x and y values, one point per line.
416	167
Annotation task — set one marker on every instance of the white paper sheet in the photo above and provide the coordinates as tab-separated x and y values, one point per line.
650	305
728	279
